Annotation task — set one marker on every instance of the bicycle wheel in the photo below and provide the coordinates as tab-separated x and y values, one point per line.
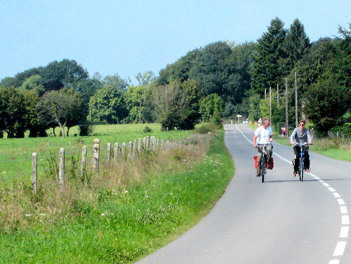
263	168
301	169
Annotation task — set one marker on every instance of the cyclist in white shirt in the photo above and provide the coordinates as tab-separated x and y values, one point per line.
263	135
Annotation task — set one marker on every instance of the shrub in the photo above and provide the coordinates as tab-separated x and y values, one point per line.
147	130
85	129
206	128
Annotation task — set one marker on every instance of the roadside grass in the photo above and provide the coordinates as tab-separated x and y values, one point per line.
16	153
335	148
128	212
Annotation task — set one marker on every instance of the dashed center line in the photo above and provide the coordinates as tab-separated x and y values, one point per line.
345	220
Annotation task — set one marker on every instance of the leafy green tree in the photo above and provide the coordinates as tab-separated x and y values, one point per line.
61	108
33	83
179	70
211	105
12	112
34	124
145	78
210	68
267	69
326	104
78	112
115	81
341	69
65	73
176	105
135	99
108	105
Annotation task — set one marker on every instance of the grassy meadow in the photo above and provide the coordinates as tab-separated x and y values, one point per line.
122	213
16	153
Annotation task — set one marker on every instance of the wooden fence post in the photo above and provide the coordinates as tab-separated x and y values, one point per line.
83	164
96	154
123	150
62	168
134	148
34	171
139	146
108	154
130	150
115	152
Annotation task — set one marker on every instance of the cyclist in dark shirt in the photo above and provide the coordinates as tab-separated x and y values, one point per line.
301	135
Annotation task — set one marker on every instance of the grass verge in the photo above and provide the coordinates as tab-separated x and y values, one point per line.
333	148
127	223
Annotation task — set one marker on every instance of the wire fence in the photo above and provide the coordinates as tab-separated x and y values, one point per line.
29	169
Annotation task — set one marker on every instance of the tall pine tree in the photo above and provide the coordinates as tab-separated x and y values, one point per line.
267	68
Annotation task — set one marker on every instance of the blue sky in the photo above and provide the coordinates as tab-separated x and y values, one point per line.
131	36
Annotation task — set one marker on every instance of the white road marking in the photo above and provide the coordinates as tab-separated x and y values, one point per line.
344	232
343	209
340	248
345	221
336	195
340	201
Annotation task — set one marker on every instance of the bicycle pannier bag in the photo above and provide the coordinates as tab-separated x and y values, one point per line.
270	164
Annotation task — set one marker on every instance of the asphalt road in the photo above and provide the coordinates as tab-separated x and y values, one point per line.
280	221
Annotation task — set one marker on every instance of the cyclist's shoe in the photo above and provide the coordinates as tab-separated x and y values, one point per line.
307	170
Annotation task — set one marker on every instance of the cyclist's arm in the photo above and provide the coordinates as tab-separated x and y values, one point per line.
292	137
309	137
254	140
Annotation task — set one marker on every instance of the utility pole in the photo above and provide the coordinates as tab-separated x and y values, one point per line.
270	104
296	113
277	95
286	107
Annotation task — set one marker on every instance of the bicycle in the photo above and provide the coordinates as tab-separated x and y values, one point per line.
263	161
301	159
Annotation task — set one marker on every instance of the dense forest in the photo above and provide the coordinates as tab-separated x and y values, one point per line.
211	83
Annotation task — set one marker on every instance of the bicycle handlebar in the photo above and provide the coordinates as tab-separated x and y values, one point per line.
302	145
263	145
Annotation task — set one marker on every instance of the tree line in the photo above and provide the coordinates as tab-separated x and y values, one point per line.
217	81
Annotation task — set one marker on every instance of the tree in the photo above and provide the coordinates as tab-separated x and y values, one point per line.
65	73
210	105
34	124
33	83
60	107
267	68
296	45
341	68
135	100
12	112
115	81
145	78
108	104
326	104
176	105
210	68
179	70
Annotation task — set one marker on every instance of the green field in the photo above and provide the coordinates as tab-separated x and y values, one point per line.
16	153
107	222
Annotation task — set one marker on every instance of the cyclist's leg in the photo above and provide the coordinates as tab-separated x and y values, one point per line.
297	158
259	156
269	149
307	160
